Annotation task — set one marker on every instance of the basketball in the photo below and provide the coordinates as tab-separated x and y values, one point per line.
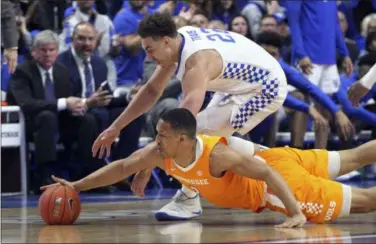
59	205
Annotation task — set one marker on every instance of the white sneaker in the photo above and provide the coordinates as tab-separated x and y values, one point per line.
180	208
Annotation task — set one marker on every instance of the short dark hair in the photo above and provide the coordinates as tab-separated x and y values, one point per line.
81	23
181	120
369	39
157	25
368	59
270	16
269	38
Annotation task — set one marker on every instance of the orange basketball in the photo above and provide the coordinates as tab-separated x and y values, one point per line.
59	205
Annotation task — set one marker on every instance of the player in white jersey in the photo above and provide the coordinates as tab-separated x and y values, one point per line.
249	84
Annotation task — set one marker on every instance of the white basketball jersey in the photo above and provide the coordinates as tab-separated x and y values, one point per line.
247	67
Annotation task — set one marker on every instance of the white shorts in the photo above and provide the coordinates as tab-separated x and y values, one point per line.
227	114
326	77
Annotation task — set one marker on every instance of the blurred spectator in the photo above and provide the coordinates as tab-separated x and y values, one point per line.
316	35
173	7
352	31
129	64
180	21
46	15
368	24
85	11
359	113
255	9
351	44
268	23
216	25
371	42
224	10
363	116
87	74
42	89
271	42
239	25
24	46
9	35
199	20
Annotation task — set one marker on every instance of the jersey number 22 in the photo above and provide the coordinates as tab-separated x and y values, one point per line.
220	35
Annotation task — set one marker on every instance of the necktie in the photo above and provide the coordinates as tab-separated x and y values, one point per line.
88	80
49	89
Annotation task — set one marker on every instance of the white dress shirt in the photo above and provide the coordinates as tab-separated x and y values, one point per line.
81	70
61	102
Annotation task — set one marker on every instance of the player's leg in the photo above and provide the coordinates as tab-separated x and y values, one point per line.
320	199
353	159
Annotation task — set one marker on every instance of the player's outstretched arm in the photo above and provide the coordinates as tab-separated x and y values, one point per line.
144	158
225	158
142	102
146	97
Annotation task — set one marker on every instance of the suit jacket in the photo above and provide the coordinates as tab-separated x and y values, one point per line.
100	71
9	30
26	88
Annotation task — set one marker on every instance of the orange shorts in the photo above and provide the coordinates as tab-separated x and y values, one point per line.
307	174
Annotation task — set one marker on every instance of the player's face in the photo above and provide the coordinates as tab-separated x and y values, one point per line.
158	49
167	140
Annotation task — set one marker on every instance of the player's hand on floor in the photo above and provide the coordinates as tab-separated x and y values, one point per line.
59	181
139	183
295	221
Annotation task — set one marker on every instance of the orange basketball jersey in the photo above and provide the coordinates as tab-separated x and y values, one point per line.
229	191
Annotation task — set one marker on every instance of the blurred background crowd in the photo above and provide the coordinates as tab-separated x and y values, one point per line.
73	66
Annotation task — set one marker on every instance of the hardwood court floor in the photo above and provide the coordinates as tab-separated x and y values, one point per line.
125	219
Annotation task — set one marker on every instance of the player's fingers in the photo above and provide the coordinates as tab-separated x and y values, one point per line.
12	66
101	151
108	150
344	132
59	180
42	188
96	146
352	130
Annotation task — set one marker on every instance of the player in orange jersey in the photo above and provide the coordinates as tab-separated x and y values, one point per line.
286	180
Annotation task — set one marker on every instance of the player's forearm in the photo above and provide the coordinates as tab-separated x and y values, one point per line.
369	79
193	102
280	188
132	43
107	175
140	104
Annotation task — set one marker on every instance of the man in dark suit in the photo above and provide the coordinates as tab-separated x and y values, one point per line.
42	89
87	73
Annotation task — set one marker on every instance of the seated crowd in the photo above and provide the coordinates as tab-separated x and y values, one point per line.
77	72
